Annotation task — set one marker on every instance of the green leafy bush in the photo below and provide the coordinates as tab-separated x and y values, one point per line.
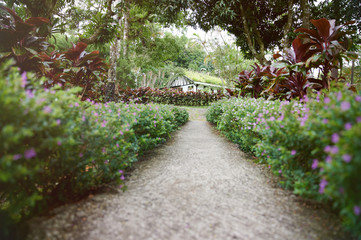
313	145
168	96
55	147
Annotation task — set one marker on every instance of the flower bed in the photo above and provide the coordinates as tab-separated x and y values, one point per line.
55	147
314	146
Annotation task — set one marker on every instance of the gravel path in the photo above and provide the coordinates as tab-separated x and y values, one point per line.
196	186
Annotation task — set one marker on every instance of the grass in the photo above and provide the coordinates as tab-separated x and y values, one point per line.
203	77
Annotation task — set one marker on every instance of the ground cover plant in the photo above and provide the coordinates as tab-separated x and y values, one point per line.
169	96
56	147
313	145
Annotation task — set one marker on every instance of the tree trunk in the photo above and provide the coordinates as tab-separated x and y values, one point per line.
125	32
286	40
352	70
113	59
305	7
334	73
260	56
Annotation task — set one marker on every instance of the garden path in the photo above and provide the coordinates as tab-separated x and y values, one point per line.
196	186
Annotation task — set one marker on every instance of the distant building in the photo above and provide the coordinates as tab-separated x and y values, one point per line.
187	84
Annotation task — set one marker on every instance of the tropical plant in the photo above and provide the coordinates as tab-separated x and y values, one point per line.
19	40
76	67
324	48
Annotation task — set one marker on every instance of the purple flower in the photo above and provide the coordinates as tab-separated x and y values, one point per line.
29	93
328	159
122	177
325	120
59	143
323	184
293	152
58	121
314	164
356	210
117	145
30	153
76	104
24	79
347	158
358	119
335	138
279	171
345	106
17	156
339	96
81	155
358	98
103	150
327	148
327	100
47	109
348	126
121	133
334	149
83	118
120	171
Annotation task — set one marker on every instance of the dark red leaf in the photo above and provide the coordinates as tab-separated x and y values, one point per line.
323	27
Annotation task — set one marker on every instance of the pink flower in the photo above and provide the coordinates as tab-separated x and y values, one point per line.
314	164
121	133
293	152
17	156
327	100
59	143
358	98
58	121
325	120
83	118
117	145
347	158
103	150
47	109
81	155
279	171
122	177
335	138
348	126
328	159
76	104
30	153
358	119
345	106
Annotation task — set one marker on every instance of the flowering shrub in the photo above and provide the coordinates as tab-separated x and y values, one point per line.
313	145
55	147
169	96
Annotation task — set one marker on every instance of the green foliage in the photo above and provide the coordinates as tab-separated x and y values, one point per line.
168	96
312	145
55	147
203	77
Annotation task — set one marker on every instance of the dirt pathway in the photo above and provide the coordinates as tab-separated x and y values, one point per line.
196	186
